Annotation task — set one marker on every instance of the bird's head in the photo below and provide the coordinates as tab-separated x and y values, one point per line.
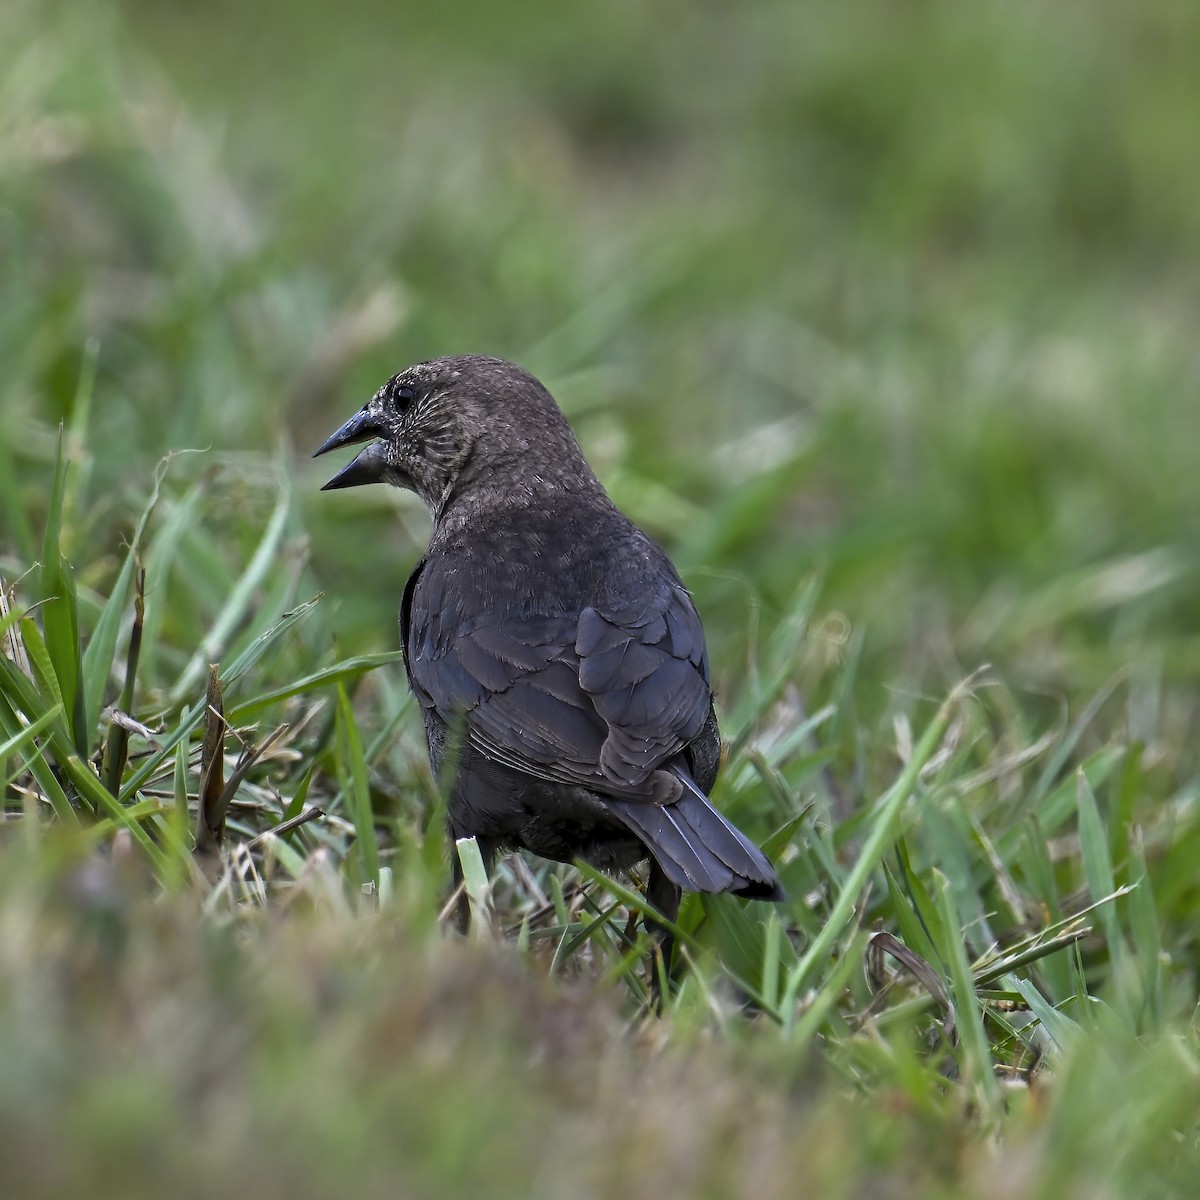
456	424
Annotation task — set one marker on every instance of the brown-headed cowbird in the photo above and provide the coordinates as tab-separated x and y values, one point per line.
559	662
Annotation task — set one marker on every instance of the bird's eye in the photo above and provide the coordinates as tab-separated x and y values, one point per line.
403	398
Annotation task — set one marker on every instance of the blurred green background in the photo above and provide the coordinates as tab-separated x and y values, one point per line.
880	315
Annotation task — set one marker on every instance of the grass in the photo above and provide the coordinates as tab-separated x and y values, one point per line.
880	320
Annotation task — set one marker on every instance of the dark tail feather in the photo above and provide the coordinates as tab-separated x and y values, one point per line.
683	856
697	848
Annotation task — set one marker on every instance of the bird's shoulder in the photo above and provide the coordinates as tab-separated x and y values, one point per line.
541	559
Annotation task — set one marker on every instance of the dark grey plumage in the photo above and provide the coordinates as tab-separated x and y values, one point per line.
559	662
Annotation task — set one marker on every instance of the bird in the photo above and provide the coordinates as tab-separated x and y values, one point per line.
558	660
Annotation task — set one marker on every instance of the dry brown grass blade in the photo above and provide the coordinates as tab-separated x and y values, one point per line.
210	818
116	752
881	943
246	759
309	814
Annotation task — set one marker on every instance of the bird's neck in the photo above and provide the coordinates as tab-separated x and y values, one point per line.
521	487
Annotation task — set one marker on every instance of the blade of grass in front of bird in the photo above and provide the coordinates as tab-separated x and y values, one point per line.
478	887
625	968
630	898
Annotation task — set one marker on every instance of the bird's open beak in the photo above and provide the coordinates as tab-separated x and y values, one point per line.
370	462
366	467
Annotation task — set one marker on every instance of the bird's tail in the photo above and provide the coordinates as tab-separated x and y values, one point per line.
698	849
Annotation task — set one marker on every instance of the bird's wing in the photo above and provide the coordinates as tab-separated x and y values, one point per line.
599	699
645	671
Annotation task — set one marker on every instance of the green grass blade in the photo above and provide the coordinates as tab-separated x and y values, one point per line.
817	1010
44	675
192	717
60	609
968	1013
33	757
477	885
1062	1031
101	652
340	672
1101	879
886	822
1147	936
21	739
240	597
162	558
